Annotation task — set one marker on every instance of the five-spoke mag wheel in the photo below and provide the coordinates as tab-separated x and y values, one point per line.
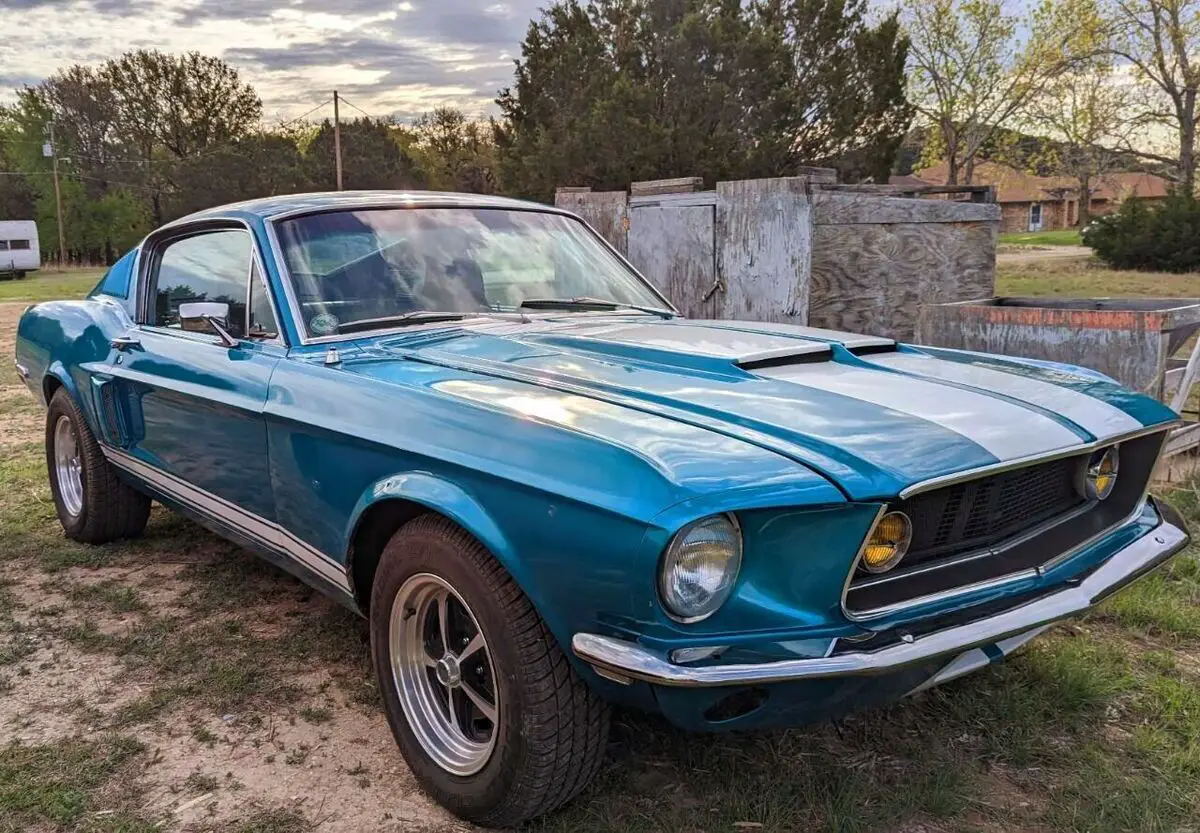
94	505
490	715
444	674
68	469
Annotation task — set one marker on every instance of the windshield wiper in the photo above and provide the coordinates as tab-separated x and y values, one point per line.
420	316
585	303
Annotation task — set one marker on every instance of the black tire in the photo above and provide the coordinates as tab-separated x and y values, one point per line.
20	275
110	508
552	729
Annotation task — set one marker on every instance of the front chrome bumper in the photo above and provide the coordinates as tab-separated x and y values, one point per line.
624	661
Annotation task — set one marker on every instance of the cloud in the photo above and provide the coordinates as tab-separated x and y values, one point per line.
106	7
389	56
17	81
254	9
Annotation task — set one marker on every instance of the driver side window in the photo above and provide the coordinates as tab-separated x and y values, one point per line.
212	267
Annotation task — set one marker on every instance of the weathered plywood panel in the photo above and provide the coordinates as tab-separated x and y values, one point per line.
686	184
764	250
832	208
1128	345
874	278
605	211
672	245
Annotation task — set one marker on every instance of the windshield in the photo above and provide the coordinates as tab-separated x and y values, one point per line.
359	266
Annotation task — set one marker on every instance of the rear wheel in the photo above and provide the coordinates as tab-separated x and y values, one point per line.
484	705
93	504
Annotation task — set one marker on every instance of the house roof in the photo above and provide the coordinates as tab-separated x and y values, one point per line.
1013	185
1130	184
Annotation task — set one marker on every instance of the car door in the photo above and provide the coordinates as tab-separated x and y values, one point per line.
187	409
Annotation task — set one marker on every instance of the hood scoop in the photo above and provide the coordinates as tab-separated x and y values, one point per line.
783	356
872	349
706	349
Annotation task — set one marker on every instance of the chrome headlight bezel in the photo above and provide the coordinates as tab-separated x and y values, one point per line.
673	601
1104	463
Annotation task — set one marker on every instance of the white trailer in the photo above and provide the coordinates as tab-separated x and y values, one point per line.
19	249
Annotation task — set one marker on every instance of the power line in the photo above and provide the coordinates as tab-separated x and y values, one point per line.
345	100
309	113
79	176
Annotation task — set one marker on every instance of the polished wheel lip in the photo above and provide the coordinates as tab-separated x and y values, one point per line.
68	468
435	691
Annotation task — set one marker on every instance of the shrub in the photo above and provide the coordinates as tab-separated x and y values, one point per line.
1159	238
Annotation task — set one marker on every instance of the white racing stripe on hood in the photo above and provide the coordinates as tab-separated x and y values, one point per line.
1092	415
1005	430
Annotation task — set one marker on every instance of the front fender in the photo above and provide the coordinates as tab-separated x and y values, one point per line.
450	500
441	496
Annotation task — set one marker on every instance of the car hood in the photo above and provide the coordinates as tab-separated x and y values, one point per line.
870	415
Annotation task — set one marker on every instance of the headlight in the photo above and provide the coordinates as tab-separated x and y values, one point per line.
888	543
1102	473
699	568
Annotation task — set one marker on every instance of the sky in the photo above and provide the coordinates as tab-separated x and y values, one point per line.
388	57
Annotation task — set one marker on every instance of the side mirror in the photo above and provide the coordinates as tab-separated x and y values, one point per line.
204	316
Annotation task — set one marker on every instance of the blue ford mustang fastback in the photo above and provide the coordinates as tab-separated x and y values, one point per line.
472	421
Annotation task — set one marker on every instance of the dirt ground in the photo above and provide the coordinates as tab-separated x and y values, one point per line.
327	754
1025	255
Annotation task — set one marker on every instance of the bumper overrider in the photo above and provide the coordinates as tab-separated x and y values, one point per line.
624	661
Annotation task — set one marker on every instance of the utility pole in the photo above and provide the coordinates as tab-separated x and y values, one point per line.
62	245
337	140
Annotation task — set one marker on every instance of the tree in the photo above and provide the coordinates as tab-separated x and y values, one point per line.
85	114
618	90
846	101
975	66
454	153
182	103
1161	40
262	165
1084	114
17	194
1157	238
123	132
172	107
371	158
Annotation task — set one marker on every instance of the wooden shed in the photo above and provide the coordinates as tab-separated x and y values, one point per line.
801	250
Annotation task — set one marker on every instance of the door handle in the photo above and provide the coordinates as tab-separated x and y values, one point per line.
126	343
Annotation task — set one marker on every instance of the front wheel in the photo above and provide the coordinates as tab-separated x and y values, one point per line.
484	705
93	504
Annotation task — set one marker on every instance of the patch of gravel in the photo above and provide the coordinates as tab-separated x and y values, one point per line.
344	773
57	690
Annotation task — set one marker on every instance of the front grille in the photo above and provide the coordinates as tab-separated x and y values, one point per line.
1006	523
980	513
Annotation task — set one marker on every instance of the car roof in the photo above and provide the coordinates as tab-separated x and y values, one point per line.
272	207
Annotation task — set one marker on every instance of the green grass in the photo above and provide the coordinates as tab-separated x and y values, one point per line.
61	786
1077	278
51	285
1060	237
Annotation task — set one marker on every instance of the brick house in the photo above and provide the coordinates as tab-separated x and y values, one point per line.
1034	203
